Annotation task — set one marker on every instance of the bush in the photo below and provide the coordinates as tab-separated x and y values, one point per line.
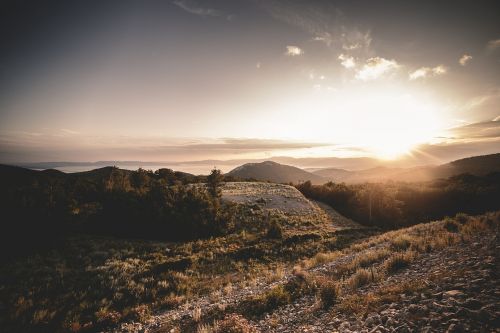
362	277
275	231
328	293
451	225
398	261
401	243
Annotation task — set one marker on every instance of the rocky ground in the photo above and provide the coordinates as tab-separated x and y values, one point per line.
456	290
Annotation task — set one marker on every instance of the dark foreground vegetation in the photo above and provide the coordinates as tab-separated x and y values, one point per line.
398	204
41	207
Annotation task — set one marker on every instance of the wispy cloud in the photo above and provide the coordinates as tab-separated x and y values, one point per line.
193	8
424	72
347	61
69	131
293	51
353	39
375	68
324	21
493	44
481	130
464	60
485	103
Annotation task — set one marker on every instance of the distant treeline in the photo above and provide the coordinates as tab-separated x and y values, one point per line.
397	204
41	207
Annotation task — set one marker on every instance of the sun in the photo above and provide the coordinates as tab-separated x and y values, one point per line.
390	126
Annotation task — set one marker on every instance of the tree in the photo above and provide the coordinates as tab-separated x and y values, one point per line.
213	182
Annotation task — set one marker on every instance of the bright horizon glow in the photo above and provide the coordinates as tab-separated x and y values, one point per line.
384	122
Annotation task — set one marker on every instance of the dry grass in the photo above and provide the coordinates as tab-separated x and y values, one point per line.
370	302
328	293
320	259
362	277
399	261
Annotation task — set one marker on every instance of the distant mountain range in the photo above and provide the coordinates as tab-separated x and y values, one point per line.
348	170
275	172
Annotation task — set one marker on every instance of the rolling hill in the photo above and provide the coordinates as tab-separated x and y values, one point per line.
275	172
477	165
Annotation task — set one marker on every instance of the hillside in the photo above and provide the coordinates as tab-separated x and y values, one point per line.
274	172
434	277
477	165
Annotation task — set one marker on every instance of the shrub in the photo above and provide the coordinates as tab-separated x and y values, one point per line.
275	231
401	243
451	225
398	261
361	278
328	293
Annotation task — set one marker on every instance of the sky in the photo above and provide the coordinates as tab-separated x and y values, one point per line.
188	80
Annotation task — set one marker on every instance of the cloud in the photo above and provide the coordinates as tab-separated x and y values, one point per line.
424	72
293	51
69	131
245	145
24	147
324	21
347	61
464	60
353	39
375	68
493	44
193	8
481	130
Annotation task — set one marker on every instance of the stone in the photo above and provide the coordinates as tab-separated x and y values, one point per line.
453	293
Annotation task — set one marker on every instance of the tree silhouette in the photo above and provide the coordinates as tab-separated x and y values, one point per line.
213	183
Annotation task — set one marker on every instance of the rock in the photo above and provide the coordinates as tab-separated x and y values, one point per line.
453	293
